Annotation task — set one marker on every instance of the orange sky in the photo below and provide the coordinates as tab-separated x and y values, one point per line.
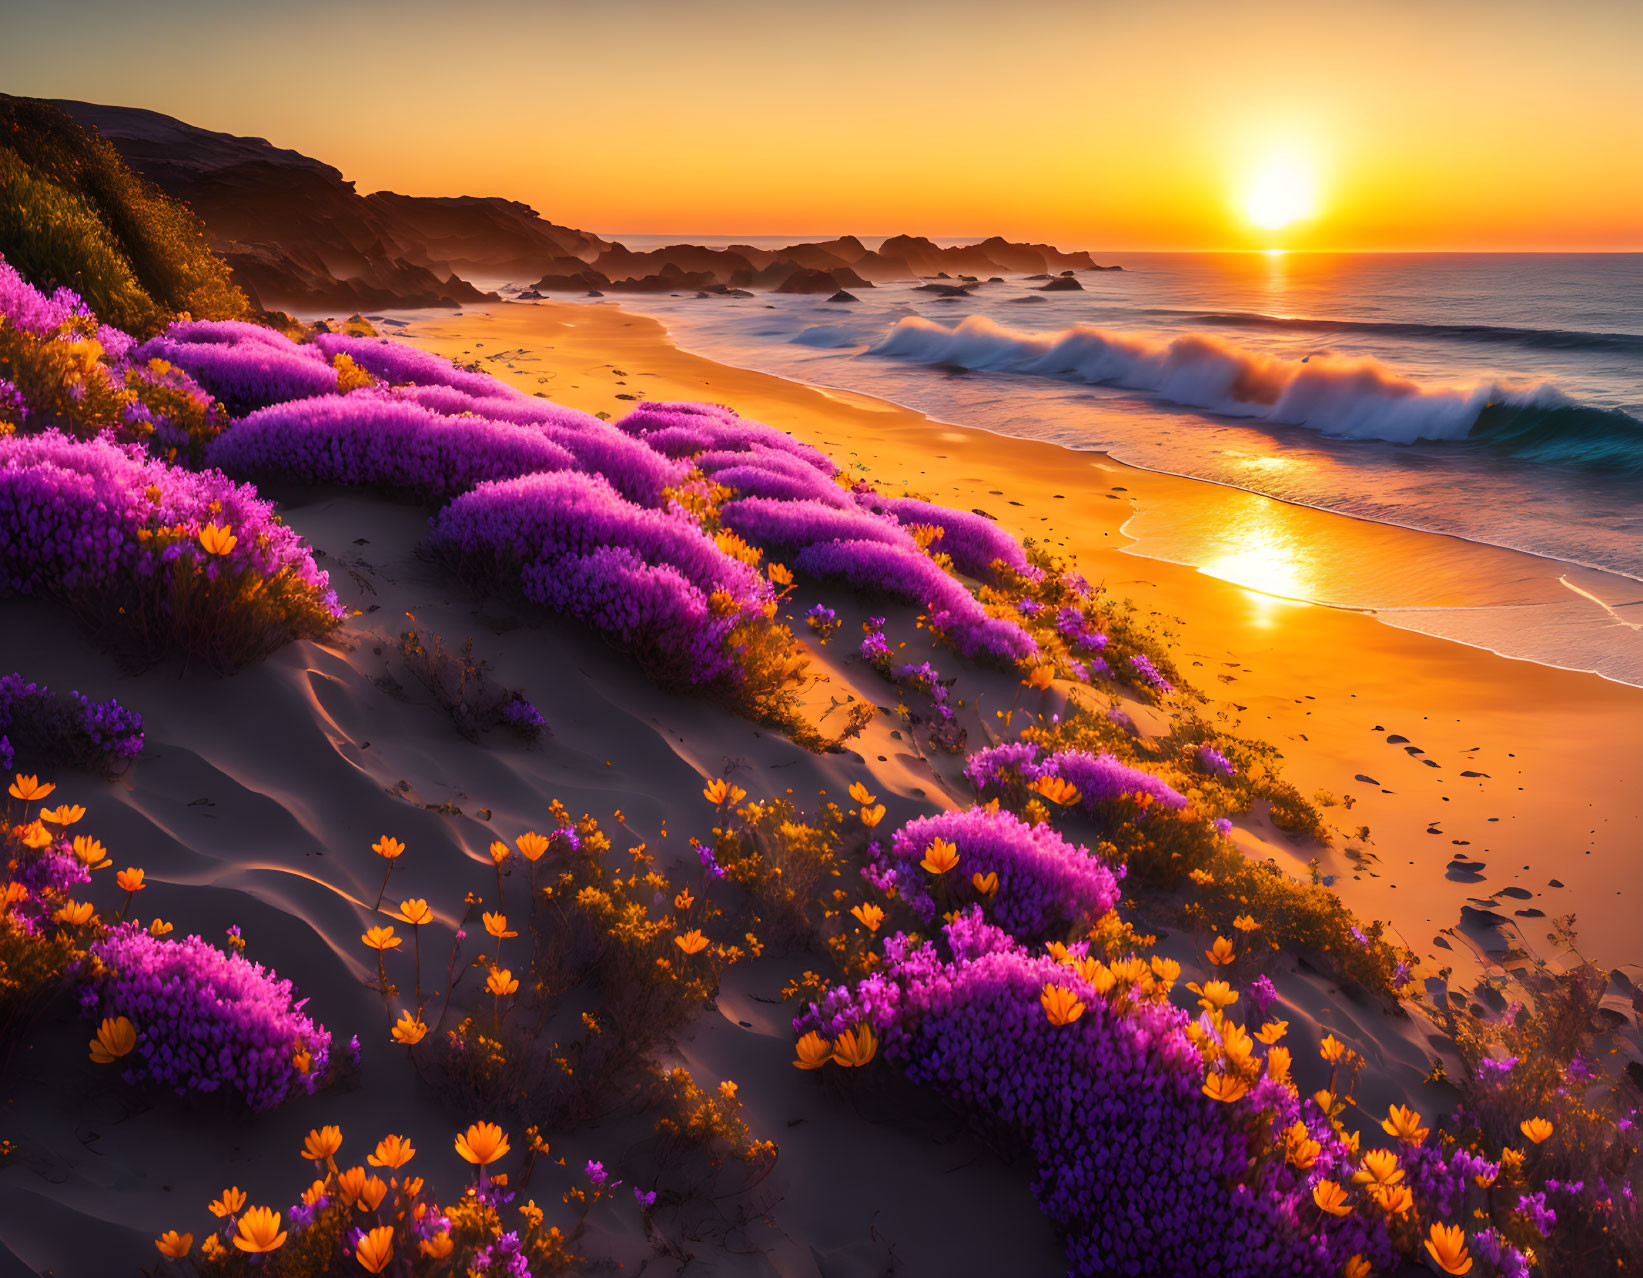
1431	124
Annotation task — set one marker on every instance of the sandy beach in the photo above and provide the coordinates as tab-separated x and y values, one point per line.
1504	785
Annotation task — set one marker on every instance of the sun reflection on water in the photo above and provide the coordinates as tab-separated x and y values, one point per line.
1255	547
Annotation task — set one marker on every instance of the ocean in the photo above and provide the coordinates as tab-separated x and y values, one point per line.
1492	398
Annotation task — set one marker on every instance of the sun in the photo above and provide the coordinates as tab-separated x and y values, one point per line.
1281	192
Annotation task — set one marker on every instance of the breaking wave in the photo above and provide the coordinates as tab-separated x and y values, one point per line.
1345	398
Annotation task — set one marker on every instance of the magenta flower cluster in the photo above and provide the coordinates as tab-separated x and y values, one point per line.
245	365
874	648
638	472
65	729
47	876
1141	1171
1100	778
29	310
1212	760
895	570
207	1021
14	407
373	440
523	718
1143	669
1076	629
614	551
1044	882
649	580
83	523
686	430
972	541
787	501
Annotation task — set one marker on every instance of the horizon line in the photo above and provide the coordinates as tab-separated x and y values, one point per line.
797	237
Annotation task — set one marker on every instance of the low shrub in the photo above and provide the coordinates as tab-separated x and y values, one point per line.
709	1120
376	1217
1175	856
205	1021
650	581
1035	881
370	440
1549	1089
686	430
158	560
462	687
636	940
244	365
1165	1142
64	729
785	865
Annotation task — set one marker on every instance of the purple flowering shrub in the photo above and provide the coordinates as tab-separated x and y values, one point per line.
1140	1170
244	365
121	540
64	729
1045	884
168	411
651	581
769	472
973	542
375	441
784	498
14	406
206	1020
684	430
1166	1141
944	734
892	570
641	474
823	621
1107	787
525	720
1214	762
400	365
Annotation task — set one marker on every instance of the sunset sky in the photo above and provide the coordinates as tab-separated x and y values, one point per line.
1424	124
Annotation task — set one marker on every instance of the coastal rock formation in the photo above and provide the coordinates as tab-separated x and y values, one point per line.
297	233
808	281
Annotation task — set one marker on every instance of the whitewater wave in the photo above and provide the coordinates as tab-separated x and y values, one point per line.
1345	398
1556	339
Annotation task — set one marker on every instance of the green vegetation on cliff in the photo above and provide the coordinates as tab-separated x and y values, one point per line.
72	213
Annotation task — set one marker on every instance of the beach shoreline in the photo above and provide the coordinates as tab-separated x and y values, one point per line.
1450	755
